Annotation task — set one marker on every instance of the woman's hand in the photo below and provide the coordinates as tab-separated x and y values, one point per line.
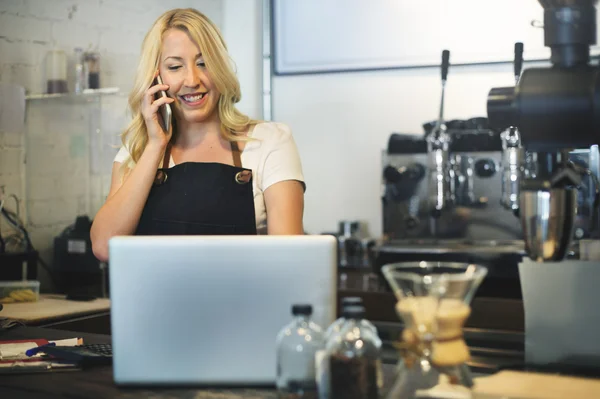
150	108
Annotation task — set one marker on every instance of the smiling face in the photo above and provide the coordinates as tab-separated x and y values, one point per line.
182	68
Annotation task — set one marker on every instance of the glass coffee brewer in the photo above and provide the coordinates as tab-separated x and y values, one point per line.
433	300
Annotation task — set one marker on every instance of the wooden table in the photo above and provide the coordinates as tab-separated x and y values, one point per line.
97	383
57	312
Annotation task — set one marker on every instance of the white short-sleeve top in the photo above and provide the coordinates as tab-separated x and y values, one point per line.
272	157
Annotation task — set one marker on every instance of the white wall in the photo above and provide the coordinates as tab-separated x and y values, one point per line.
242	25
60	141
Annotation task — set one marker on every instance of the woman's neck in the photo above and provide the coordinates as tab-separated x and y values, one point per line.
191	134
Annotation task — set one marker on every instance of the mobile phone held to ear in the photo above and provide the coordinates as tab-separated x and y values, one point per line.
165	109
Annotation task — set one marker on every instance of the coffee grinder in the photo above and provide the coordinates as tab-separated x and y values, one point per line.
555	110
557	113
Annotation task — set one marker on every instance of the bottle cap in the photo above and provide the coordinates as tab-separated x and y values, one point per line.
351	301
354	312
301	309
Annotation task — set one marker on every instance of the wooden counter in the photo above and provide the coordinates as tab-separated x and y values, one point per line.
522	385
57	312
98	382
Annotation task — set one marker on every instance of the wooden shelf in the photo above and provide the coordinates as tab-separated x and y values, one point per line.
87	94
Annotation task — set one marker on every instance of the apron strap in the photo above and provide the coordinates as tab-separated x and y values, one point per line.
235	153
167	158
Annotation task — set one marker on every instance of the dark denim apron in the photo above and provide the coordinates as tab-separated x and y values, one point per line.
198	198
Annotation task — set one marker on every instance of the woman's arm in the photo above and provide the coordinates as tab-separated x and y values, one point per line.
282	181
284	202
121	212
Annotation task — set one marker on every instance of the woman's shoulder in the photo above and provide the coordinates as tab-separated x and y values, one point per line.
271	131
269	138
122	155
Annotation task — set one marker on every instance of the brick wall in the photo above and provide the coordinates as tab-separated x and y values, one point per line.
59	165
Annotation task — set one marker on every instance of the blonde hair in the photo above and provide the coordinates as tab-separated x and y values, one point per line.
206	35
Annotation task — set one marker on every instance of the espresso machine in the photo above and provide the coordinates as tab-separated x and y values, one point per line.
556	111
443	199
473	210
449	186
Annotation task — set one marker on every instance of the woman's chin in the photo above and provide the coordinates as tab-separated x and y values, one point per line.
199	117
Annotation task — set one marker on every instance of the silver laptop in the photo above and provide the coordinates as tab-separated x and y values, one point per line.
205	310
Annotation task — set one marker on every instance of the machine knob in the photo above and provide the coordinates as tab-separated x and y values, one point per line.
413	172
485	168
416	171
391	174
411	222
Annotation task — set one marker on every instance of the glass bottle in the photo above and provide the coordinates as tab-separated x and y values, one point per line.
337	324
92	69
56	72
348	243
297	345
332	330
354	359
80	79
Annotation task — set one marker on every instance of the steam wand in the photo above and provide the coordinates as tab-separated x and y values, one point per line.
445	65
518	64
438	144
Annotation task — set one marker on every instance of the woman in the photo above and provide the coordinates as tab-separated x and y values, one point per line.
216	171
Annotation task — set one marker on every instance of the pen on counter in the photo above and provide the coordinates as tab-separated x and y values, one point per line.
37	349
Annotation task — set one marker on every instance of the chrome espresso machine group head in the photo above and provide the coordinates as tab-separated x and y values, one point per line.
438	144
555	110
512	152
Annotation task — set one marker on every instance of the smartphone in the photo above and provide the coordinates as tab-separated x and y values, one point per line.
165	109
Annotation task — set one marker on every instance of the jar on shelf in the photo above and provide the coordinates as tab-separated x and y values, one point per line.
81	79
56	72
92	69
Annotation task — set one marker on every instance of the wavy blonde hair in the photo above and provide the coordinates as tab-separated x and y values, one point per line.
208	38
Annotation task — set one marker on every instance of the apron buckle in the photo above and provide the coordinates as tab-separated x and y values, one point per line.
161	178
243	177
